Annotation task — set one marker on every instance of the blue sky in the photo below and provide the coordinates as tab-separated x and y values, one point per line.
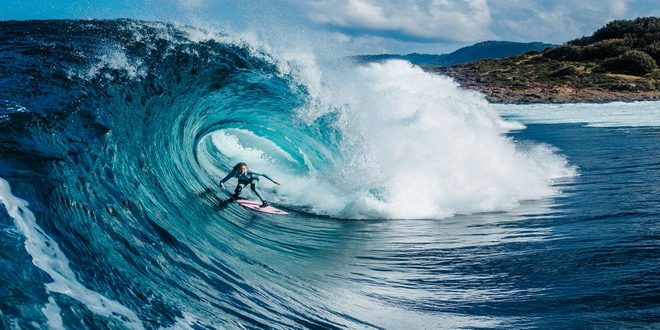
364	26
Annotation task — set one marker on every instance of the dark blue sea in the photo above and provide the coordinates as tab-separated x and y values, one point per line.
413	204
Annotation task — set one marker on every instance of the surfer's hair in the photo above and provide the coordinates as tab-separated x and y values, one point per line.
238	166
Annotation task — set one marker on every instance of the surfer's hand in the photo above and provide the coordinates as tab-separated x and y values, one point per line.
222	186
277	183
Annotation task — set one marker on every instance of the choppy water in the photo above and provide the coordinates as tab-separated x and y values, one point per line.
413	204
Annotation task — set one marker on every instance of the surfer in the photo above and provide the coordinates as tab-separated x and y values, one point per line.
245	177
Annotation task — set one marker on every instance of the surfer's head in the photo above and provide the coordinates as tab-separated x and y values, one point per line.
240	167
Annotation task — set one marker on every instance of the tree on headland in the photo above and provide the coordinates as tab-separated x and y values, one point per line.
621	46
632	62
618	62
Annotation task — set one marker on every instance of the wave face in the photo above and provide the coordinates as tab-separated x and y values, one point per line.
114	137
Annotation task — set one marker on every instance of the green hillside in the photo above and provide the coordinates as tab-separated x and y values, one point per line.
619	62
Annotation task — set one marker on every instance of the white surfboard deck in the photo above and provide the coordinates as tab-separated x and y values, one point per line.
256	205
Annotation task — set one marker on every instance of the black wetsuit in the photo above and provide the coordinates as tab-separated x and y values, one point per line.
249	178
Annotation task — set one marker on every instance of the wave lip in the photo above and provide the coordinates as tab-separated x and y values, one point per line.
399	143
415	145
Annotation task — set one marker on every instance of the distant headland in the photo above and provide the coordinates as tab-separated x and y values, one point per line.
619	62
476	52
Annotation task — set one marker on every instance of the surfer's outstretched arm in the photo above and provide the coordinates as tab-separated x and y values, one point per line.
267	177
229	176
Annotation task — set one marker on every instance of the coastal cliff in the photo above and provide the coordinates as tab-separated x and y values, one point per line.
619	62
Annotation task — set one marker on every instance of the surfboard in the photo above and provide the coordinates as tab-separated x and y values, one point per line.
256	205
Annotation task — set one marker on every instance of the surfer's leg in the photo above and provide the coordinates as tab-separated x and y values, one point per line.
253	186
237	191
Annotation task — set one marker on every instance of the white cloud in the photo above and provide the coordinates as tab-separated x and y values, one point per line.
618	7
471	20
190	4
464	20
555	21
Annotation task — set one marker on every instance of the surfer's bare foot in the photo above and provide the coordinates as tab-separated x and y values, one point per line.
264	204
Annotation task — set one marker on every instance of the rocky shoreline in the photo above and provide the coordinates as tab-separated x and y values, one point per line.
512	89
618	62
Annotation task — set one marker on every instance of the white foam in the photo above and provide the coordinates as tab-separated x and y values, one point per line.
417	146
414	145
228	143
112	57
264	156
47	256
8	107
187	321
52	312
615	114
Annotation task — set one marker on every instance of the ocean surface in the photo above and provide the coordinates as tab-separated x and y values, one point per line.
413	204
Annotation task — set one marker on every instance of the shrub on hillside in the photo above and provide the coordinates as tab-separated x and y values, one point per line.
631	62
614	29
565	72
645	29
596	51
654	50
613	40
603	49
566	52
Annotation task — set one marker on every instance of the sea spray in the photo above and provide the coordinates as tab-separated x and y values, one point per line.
412	145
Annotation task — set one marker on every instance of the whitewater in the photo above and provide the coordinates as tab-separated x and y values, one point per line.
413	203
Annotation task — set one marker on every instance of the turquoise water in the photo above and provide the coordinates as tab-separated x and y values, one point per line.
413	203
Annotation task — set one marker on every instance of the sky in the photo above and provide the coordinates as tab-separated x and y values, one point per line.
363	26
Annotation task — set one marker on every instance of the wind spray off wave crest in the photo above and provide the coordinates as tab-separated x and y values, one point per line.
393	141
415	145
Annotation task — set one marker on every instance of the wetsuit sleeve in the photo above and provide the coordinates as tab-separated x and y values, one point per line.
264	175
229	176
